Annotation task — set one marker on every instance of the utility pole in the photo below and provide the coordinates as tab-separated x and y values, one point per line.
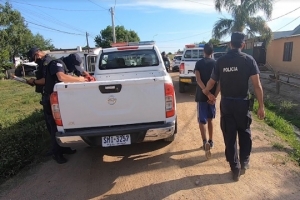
87	41
113	23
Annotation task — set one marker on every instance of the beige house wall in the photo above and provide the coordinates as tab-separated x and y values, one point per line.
275	52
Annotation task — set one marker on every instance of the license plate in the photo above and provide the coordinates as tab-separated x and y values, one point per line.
116	140
185	80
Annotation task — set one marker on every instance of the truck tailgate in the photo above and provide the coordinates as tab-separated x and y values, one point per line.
108	103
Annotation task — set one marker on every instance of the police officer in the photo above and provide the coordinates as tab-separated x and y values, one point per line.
233	70
166	60
47	90
74	63
42	59
57	72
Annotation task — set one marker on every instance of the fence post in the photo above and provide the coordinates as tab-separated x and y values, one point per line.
277	83
23	70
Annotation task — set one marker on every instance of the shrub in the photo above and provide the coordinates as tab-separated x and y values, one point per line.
6	66
2	75
21	142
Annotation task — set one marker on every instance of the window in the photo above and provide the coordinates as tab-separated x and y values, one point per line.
287	51
195	54
128	59
177	58
187	54
218	55
91	63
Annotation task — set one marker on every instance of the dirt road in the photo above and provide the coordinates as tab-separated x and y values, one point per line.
164	171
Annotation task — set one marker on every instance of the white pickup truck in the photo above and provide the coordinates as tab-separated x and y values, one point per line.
132	101
191	54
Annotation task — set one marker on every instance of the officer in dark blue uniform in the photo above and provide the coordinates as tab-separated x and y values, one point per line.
233	70
166	60
74	65
56	72
44	61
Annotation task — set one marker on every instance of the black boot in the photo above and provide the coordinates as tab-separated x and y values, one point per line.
236	174
59	158
244	168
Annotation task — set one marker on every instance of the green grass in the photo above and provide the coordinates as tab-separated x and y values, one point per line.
23	134
278	146
281	117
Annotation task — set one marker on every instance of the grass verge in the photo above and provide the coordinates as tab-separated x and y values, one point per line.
23	135
282	118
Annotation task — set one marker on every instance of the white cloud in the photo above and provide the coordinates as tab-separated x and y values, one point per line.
284	6
280	7
283	23
190	6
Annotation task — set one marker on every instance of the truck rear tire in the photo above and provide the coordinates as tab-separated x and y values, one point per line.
181	87
172	138
89	141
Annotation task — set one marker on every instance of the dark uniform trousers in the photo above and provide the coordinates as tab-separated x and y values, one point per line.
236	120
45	117
56	149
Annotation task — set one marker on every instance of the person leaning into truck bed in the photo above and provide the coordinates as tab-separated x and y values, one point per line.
54	72
73	63
43	59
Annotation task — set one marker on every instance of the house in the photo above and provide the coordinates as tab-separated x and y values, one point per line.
283	53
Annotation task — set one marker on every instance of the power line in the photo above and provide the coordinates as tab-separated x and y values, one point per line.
52	7
98	5
53	28
200	3
50	18
283	15
205	5
288	23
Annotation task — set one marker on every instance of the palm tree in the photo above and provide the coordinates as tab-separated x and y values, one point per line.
243	19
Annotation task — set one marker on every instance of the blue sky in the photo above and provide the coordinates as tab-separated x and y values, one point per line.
171	23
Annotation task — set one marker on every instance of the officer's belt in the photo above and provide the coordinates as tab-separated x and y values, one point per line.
236	98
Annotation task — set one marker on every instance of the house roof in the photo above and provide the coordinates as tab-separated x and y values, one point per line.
282	34
291	36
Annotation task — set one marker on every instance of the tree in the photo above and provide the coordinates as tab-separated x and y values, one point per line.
105	38
214	42
203	42
242	18
15	37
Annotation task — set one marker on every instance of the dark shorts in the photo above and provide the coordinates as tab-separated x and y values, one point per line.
205	111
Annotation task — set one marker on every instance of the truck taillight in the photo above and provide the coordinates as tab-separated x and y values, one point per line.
181	68
55	109
170	100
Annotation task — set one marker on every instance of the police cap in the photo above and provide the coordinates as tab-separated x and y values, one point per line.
75	61
238	37
31	53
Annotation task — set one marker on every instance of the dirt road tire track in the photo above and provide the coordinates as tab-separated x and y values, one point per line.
159	170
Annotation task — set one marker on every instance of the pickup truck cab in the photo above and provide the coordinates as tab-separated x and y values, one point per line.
191	54
131	101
